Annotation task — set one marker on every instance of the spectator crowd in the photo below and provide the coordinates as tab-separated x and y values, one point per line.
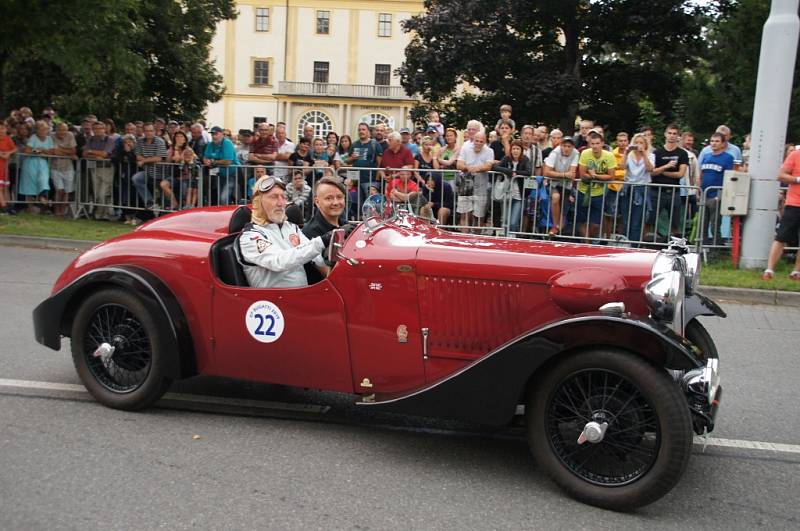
529	179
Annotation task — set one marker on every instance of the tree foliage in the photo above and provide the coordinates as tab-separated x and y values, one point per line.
722	89
552	60
119	58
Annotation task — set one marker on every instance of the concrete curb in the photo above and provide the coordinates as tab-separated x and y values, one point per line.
46	243
719	294
752	296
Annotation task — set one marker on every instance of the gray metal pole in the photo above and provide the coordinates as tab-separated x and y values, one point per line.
770	116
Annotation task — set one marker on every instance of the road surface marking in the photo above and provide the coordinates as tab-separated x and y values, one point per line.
712	442
48	386
749	445
175	397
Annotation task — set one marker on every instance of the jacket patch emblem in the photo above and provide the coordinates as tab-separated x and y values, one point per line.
294	239
262	245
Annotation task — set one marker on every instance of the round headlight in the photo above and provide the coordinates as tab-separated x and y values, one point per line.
665	293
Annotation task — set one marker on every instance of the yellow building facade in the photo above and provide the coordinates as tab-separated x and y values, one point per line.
326	63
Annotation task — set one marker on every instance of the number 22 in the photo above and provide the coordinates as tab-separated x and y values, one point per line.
261	320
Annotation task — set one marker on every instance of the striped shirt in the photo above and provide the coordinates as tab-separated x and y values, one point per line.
156	148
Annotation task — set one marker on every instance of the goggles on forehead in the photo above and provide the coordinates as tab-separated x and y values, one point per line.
265	184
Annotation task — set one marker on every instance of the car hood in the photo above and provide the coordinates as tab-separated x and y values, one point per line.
520	260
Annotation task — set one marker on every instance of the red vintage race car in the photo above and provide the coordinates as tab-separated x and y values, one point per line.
601	345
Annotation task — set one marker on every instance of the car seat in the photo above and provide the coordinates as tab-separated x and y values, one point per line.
225	256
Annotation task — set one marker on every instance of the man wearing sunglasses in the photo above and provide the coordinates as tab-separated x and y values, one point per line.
273	248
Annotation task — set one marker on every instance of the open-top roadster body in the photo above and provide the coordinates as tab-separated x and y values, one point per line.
600	345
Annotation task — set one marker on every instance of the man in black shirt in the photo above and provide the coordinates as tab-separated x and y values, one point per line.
302	158
379	133
329	198
502	146
670	166
581	139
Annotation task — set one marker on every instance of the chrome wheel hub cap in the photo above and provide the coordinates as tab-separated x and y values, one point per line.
593	432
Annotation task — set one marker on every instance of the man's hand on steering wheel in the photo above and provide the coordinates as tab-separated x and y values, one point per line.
347	228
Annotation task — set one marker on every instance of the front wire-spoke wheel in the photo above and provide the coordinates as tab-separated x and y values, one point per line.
610	428
699	336
625	422
117	350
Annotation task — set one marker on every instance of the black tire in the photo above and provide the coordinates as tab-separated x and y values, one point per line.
648	441
133	376
699	336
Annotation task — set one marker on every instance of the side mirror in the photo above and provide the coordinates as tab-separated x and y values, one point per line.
336	245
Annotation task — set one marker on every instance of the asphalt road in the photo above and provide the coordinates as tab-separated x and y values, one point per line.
69	463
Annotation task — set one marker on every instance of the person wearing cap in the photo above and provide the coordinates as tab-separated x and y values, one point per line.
405	138
555	139
433	132
273	248
161	130
220	154
244	140
560	168
172	128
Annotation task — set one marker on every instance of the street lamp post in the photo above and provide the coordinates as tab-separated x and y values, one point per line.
770	117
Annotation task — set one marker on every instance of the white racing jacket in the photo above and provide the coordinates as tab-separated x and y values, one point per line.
274	255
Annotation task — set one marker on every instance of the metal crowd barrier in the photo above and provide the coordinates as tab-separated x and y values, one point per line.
455	200
51	179
614	213
610	212
714	229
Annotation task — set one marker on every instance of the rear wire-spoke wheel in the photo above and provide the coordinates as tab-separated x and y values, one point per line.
610	428
118	351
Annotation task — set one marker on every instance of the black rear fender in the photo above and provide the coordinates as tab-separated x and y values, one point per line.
489	390
53	317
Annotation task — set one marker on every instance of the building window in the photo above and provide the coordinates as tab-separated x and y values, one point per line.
262	19
383	74
321	71
260	72
319	120
384	25
323	22
375	118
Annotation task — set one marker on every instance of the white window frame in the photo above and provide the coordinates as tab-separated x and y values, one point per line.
384	25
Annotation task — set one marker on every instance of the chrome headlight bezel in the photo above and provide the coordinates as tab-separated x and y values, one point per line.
665	295
693	264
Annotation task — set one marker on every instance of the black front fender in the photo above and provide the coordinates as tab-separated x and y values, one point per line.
698	304
53	317
488	390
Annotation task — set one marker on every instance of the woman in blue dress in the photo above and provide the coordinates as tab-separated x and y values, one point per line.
35	177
